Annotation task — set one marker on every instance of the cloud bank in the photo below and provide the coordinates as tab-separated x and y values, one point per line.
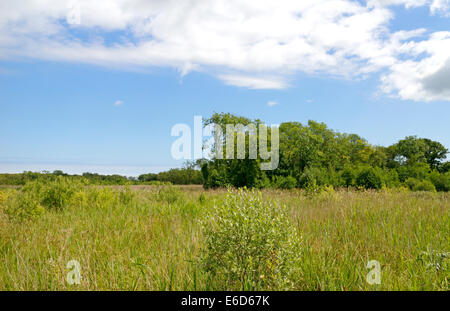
257	44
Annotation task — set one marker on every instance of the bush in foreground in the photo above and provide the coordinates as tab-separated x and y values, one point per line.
250	244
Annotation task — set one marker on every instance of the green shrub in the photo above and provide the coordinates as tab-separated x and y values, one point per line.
282	182
369	178
441	181
420	185
263	182
35	195
102	197
411	183
23	205
416	170
59	193
348	176
215	180
314	175
250	244
53	194
312	189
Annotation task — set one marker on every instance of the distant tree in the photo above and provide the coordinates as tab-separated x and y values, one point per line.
435	152
413	150
147	177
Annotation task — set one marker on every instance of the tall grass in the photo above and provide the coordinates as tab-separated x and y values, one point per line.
151	238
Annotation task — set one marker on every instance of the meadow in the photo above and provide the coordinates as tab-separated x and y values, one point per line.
169	238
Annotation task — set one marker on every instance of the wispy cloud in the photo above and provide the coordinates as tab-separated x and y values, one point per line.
272	103
256	83
118	103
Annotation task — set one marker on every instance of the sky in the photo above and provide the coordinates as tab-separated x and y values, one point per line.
98	85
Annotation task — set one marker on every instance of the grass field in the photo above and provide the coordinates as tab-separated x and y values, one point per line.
150	238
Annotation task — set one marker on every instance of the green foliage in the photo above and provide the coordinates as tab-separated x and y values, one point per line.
444	167
100	197
369	178
263	182
215	179
12	179
419	150
440	181
317	156
415	170
97	179
61	193
282	182
420	185
148	177
250	244
348	176
391	178
183	176
314	175
187	175
36	195
235	172
55	194
312	154
312	189
24	206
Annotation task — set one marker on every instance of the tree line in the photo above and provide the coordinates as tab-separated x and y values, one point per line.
312	155
178	176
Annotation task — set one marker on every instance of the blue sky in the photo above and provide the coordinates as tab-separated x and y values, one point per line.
59	82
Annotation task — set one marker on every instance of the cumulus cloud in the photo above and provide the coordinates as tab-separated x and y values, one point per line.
257	44
426	77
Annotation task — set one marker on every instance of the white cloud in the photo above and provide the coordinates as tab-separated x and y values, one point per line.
118	103
256	83
436	6
272	103
440	6
426	78
257	44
